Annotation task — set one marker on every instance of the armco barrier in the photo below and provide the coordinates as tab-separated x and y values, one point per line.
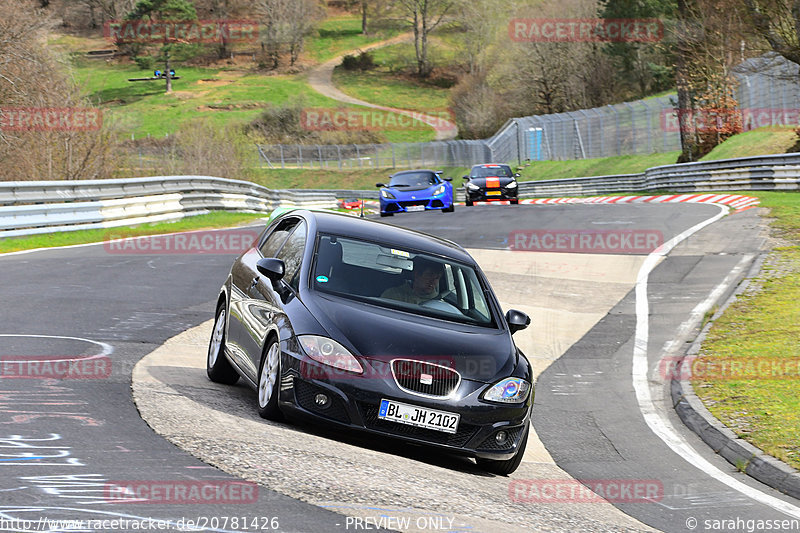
46	206
759	173
32	207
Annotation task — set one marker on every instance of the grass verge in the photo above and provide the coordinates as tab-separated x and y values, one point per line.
217	219
386	86
761	326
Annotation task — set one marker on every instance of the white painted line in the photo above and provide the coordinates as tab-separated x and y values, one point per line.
658	422
107	348
697	313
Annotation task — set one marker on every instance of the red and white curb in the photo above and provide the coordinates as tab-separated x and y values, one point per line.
737	202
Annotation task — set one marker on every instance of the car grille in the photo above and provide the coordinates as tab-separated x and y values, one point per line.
413	202
424	378
491	445
305	392
457	439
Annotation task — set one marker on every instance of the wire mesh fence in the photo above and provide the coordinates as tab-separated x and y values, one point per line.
768	94
389	155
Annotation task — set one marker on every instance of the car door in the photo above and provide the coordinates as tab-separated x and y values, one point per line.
250	311
268	301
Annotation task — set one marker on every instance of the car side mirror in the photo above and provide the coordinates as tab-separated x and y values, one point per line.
381	185
271	267
516	174
517	320
448	179
464	177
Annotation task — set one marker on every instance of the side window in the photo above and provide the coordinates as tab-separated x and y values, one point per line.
278	236
292	255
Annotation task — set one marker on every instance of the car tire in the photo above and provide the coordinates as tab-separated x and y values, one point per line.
386	214
507	466
268	381
515	201
468	203
218	368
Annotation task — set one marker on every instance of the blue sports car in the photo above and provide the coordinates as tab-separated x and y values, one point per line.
416	190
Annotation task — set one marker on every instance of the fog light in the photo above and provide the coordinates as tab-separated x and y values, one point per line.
501	437
321	400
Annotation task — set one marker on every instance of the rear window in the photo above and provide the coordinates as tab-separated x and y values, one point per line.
400	279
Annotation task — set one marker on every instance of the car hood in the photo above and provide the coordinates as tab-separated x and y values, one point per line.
376	333
492	182
419	192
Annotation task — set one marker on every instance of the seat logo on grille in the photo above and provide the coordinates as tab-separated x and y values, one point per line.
426	379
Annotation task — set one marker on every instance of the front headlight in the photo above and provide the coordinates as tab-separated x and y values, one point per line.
509	390
472	187
439	190
386	194
329	352
512	185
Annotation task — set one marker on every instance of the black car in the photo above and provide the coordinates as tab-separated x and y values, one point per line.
375	328
491	182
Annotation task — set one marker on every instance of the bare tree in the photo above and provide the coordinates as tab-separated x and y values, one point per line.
287	23
479	23
33	82
424	16
778	23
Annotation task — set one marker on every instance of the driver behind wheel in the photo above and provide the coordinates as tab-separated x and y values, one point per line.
423	287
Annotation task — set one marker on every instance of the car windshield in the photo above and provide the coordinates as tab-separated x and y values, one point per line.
500	171
414	179
400	278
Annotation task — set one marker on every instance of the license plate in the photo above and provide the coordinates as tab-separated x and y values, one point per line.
412	208
492	193
412	415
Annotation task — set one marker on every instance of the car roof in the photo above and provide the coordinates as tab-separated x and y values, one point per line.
372	230
492	165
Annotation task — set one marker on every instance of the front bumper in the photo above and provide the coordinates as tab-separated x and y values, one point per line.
354	401
488	195
401	206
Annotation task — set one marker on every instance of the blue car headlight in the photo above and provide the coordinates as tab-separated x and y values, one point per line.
329	352
386	194
509	390
439	190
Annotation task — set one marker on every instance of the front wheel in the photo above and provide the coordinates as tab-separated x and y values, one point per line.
508	466
468	203
515	201
386	214
218	368
268	378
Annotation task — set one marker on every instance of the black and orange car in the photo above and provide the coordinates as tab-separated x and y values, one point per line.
490	182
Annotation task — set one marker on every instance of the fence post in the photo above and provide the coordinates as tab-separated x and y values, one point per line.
358	155
339	153
393	160
633	128
282	163
649	127
300	155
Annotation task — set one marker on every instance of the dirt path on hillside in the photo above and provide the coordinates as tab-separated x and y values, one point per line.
321	80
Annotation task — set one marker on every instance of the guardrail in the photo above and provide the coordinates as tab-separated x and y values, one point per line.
32	207
758	173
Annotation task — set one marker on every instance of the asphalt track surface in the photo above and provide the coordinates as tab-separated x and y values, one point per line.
63	443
